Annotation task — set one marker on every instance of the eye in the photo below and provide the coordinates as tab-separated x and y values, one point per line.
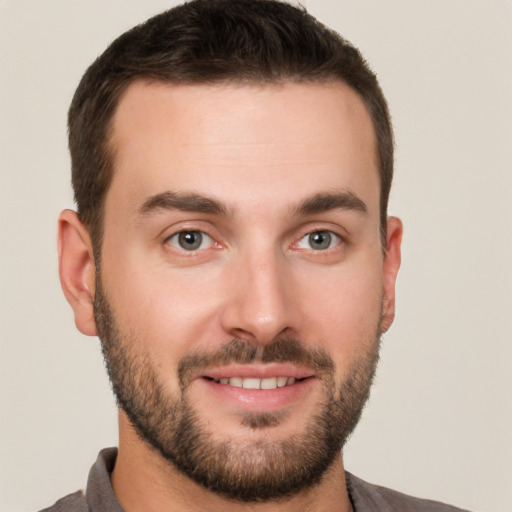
319	241
190	240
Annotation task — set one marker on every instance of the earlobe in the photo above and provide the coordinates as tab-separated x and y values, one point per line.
77	270
392	260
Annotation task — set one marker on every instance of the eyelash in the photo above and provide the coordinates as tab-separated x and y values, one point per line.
199	238
332	239
175	239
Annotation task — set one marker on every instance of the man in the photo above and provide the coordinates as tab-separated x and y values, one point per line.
232	162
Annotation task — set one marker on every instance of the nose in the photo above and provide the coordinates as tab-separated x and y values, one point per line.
259	306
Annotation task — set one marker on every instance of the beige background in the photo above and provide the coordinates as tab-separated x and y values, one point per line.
439	422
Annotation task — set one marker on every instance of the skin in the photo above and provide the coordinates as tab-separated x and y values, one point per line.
259	152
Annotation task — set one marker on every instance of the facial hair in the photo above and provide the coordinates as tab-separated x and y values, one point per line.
256	471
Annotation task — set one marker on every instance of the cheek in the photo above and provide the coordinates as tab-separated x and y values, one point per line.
343	311
164	308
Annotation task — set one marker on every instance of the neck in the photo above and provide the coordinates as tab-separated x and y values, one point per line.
144	481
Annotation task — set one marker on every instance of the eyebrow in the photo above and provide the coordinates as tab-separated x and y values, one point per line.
323	202
189	202
192	202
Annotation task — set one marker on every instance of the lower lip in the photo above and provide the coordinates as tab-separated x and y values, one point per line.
259	400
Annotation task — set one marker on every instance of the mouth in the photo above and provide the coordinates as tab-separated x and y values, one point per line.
256	388
256	383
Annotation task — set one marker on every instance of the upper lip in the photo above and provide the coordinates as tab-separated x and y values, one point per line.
257	371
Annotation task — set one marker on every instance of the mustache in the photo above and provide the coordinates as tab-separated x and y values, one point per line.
237	351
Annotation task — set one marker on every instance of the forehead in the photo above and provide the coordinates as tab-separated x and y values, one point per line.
241	139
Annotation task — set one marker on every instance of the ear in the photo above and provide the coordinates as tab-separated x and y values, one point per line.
77	270
392	260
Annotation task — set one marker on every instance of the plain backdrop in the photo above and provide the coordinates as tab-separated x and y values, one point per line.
439	421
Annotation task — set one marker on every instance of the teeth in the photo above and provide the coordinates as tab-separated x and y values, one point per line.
236	381
251	383
254	383
281	381
270	383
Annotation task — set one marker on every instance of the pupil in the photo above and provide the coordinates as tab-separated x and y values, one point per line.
320	240
190	240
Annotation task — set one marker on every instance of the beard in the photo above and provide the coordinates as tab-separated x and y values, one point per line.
251	471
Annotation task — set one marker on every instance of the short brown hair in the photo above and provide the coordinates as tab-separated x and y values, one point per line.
212	41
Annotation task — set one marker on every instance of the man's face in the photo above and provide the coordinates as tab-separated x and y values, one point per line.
243	284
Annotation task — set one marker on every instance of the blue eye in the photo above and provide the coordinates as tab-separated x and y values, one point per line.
319	241
190	240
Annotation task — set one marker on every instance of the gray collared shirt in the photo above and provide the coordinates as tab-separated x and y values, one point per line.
365	497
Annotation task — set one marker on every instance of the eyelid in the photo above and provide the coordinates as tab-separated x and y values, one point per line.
337	239
174	240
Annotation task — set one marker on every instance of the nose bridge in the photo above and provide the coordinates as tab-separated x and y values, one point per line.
258	308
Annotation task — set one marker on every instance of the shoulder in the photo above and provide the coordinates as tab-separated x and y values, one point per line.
368	498
75	502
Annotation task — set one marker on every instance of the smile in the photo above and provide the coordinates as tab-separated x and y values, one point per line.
255	383
256	388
